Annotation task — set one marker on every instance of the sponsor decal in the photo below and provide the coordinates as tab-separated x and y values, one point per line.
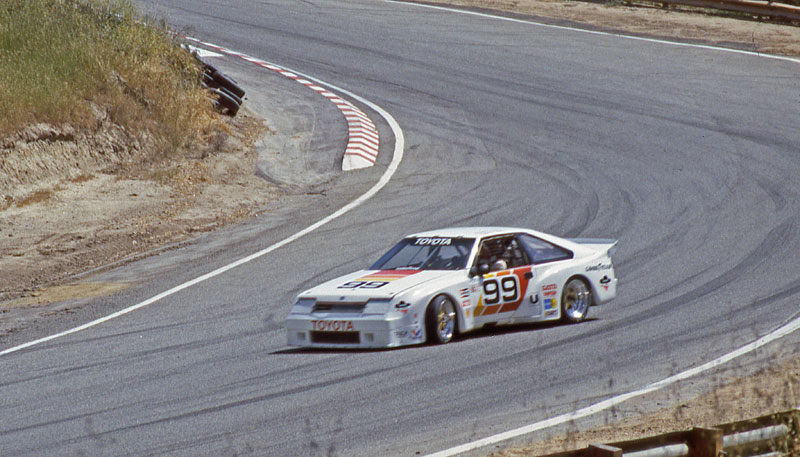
535	298
401	333
604	282
549	287
433	242
474	288
599	267
416	333
550	313
465	301
333	326
550	303
550	293
402	304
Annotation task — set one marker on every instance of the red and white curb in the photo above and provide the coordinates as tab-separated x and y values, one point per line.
363	139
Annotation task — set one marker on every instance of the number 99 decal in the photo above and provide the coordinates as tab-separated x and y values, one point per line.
363	285
500	290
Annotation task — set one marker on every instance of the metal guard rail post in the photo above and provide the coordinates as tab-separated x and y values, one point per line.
751	7
773	435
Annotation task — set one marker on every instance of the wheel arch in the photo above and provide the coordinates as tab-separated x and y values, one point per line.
587	281
460	317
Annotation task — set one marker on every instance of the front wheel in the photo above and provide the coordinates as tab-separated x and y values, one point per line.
575	301
440	320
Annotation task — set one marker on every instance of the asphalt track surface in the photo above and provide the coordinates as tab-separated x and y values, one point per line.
690	157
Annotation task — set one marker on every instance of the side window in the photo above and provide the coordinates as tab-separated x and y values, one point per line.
502	253
541	251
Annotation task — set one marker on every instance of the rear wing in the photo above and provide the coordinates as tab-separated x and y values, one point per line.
598	244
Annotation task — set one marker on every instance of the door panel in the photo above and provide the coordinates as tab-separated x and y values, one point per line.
502	293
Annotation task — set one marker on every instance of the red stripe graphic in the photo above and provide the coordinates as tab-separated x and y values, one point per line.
389	275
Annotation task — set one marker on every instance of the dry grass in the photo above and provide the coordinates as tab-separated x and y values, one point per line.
62	57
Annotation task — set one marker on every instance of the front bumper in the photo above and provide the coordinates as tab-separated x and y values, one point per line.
325	330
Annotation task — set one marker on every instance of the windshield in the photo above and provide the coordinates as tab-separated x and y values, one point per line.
427	254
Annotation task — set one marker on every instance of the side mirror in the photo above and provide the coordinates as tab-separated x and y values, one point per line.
481	269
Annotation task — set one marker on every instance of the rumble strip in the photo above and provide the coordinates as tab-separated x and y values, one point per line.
363	139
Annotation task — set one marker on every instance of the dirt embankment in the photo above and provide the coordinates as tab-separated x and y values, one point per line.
73	201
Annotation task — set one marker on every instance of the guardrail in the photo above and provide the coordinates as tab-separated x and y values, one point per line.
761	8
773	435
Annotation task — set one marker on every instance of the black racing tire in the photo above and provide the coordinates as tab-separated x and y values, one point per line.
575	301
440	320
228	83
228	102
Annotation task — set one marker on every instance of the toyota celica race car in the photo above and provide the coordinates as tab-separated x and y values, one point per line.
434	284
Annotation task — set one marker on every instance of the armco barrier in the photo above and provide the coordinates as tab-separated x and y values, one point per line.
751	7
773	435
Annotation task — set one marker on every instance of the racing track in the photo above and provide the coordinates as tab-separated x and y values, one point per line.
688	156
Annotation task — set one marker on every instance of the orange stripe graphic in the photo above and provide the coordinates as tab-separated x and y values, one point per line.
389	275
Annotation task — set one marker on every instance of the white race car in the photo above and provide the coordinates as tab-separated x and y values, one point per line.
434	284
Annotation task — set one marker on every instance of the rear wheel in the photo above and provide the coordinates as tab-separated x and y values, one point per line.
575	301
440	320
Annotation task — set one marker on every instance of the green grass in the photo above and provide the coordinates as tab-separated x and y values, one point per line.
64	59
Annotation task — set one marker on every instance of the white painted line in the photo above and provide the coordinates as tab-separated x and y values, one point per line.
614	401
397	157
596	32
354	160
203	53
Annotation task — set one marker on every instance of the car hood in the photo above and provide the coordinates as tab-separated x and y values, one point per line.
371	284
